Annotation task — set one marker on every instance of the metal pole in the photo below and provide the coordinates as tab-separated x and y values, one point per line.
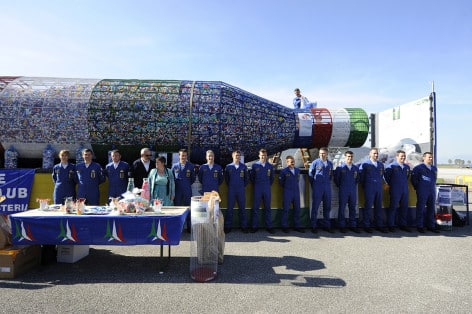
189	148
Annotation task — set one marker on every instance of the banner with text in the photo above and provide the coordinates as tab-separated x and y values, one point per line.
15	189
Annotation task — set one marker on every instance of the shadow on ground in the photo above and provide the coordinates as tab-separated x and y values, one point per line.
103	266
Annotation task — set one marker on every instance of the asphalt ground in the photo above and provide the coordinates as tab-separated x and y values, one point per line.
262	273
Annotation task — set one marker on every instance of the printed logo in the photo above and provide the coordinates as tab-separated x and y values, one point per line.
23	233
112	234
159	234
68	233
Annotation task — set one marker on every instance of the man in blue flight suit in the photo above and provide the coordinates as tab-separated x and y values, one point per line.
237	178
396	175
289	181
372	181
320	174
210	174
346	178
423	179
117	174
262	177
184	175
89	177
63	175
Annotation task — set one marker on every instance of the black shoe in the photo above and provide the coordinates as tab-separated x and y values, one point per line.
270	230
368	230
244	230
343	230
301	230
434	230
355	230
392	229
227	230
253	230
421	230
381	229
406	229
314	230
285	230
330	230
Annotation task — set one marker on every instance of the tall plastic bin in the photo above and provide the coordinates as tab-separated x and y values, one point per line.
204	238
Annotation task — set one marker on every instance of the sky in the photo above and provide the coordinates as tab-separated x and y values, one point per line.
369	54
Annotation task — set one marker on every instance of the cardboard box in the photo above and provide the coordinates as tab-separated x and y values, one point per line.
71	253
18	260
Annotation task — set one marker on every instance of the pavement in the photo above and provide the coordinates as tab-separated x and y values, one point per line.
262	273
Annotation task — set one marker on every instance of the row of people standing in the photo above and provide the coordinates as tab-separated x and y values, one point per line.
173	187
87	176
372	174
262	176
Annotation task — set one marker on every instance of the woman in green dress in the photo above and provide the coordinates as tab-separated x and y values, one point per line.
161	183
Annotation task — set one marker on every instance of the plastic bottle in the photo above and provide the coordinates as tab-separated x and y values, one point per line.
48	157
145	193
130	187
223	117
11	158
78	154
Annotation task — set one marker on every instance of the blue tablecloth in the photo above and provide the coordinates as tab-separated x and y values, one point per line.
44	227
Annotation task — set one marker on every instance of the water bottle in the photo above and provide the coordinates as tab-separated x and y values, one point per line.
48	157
130	187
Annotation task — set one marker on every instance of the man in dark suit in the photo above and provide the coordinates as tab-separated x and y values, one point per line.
141	167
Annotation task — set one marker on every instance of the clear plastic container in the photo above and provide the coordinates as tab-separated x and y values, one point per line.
204	239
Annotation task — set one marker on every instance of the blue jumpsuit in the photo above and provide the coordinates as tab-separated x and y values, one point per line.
320	176
372	182
184	176
237	180
262	177
424	182
346	180
117	178
64	182
291	195
210	178
397	179
89	178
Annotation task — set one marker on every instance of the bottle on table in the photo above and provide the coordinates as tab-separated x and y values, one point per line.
130	187
145	192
